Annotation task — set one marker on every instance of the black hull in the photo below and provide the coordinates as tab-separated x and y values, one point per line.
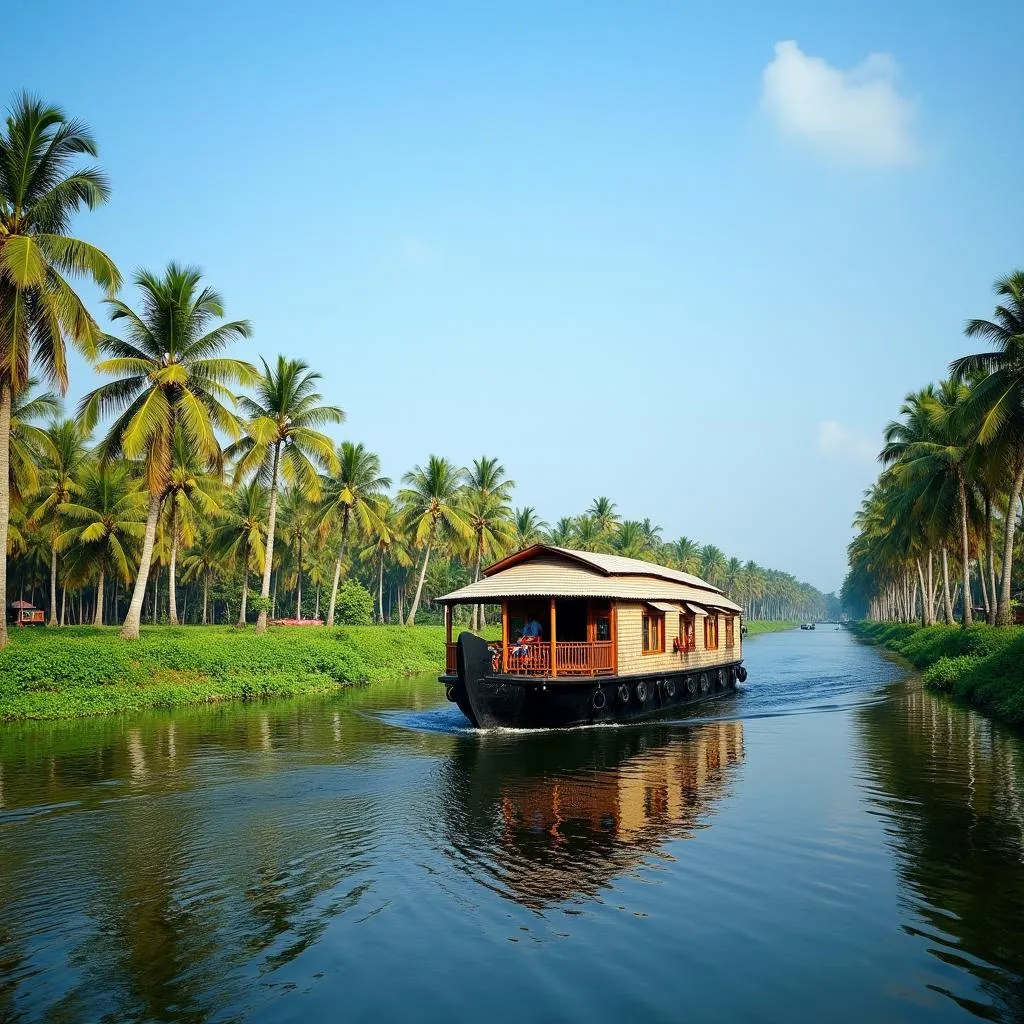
492	701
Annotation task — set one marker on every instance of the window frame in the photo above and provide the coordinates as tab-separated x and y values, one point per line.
658	618
730	631
710	632
687	632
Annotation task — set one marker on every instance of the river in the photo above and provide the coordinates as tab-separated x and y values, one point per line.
832	843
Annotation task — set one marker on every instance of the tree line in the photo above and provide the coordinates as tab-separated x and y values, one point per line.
937	533
190	476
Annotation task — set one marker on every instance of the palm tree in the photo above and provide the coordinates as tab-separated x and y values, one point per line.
41	189
239	537
283	439
354	492
28	441
201	564
189	499
431	503
998	403
109	522
712	565
563	533
298	522
388	543
169	376
486	501
930	456
64	454
530	528
630	540
603	512
685	555
587	534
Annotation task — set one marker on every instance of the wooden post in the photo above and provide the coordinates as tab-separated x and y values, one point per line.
448	624
615	639
504	637
554	665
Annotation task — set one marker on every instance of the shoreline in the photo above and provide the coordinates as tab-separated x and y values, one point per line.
85	671
80	671
983	666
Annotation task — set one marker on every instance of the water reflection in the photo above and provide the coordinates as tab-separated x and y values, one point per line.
556	817
947	782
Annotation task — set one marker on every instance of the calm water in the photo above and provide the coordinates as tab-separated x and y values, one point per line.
833	844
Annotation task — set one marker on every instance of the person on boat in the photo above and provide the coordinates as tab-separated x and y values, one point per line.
531	633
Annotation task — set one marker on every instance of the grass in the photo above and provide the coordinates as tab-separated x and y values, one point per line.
82	671
756	626
983	665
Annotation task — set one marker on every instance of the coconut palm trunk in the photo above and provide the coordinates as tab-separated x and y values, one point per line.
411	621
1005	614
947	600
206	593
130	628
990	554
380	592
261	621
53	586
172	589
245	588
97	619
298	589
5	500
337	566
967	618
924	593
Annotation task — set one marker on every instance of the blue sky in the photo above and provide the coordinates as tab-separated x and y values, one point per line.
690	256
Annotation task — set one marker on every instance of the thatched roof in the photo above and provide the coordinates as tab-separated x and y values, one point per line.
546	571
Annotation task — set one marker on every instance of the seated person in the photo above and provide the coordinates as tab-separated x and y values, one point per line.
530	634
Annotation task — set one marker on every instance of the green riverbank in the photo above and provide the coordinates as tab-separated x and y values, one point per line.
756	626
983	665
73	672
80	671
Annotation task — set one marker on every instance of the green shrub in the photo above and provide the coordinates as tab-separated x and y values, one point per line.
354	606
946	672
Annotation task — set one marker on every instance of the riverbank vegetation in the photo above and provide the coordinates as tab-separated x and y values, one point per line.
757	626
82	671
190	476
937	534
983	665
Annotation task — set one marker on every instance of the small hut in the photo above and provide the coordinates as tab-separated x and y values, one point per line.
24	613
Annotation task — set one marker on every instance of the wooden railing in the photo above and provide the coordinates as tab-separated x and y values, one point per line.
584	659
534	659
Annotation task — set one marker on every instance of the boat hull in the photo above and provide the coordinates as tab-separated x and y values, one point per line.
495	701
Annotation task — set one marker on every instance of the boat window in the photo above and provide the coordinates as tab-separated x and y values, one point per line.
688	631
653	631
711	633
730	631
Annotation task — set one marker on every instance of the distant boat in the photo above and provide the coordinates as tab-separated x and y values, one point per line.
807	625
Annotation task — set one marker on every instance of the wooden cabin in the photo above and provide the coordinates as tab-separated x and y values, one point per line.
24	613
600	615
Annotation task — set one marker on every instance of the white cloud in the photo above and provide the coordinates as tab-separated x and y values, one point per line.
838	442
855	115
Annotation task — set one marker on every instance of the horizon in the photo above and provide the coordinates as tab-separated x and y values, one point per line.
514	194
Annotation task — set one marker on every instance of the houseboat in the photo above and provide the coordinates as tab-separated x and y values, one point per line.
588	638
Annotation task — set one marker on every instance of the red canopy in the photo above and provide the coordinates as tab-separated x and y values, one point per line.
20	605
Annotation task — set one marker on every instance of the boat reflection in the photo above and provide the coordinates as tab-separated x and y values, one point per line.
554	818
